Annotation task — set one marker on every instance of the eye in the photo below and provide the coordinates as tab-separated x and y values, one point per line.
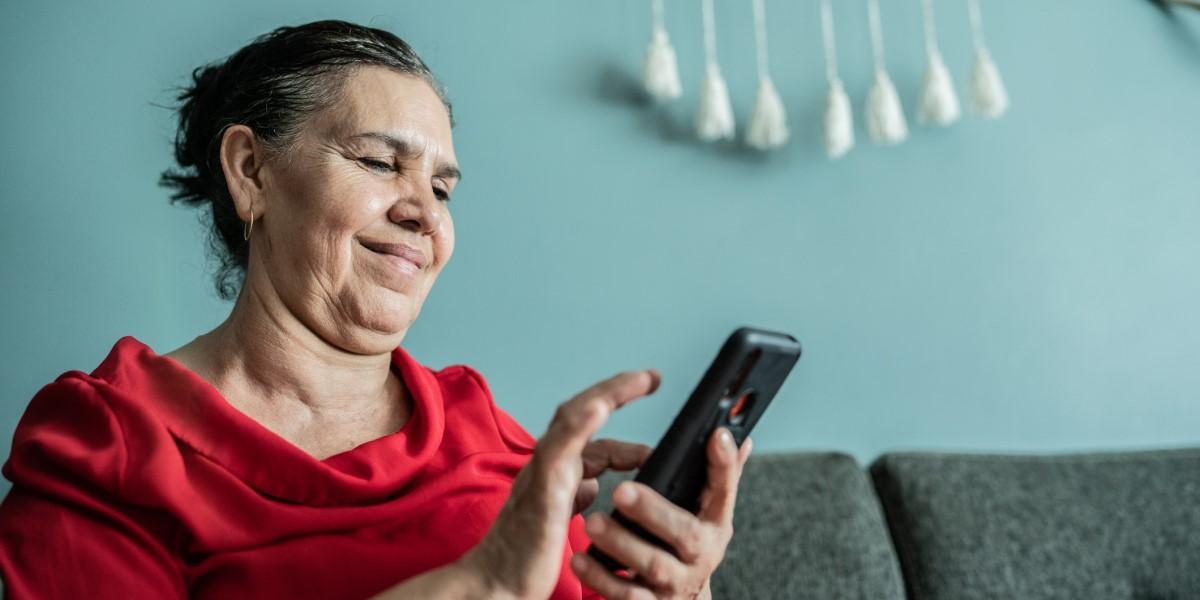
442	193
377	165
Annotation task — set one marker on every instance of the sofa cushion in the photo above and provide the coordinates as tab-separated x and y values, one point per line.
1115	525
807	525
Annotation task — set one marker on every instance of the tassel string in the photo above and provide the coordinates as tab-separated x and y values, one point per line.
931	45
831	70
710	34
876	33
976	25
656	8
760	37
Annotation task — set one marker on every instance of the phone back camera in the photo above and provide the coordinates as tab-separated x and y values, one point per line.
741	407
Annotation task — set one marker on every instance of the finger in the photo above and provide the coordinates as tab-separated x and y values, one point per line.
655	566
577	419
602	455
589	488
744	452
724	471
592	574
672	524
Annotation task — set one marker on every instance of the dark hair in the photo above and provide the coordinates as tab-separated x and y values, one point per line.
271	85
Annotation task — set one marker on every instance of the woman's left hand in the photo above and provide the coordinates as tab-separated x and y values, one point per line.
606	455
699	540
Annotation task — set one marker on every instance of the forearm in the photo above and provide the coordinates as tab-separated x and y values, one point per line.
451	581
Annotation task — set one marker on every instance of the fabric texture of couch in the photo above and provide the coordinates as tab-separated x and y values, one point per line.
1120	525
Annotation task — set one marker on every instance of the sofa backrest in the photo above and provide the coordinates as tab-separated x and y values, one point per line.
1117	525
807	525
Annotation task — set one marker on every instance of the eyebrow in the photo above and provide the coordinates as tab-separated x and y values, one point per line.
408	149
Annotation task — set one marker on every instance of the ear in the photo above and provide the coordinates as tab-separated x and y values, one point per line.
242	158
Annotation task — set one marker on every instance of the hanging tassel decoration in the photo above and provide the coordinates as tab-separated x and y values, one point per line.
714	119
939	102
839	118
768	122
885	115
660	70
988	96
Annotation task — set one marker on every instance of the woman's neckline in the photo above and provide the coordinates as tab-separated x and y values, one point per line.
186	360
156	390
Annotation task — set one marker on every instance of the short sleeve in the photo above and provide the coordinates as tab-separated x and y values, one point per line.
66	528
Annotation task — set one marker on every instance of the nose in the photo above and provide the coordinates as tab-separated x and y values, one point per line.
417	209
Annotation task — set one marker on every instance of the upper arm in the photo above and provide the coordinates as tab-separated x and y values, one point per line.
67	528
50	548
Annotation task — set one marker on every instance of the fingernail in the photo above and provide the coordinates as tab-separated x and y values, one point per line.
625	494
726	438
655	379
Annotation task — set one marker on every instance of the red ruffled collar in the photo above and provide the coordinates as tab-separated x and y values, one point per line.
200	419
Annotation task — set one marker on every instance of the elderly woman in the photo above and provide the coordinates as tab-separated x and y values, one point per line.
296	450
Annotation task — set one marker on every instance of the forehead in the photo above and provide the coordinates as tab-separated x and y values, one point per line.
382	100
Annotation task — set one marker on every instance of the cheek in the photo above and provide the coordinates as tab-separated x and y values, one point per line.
320	245
443	238
322	210
328	235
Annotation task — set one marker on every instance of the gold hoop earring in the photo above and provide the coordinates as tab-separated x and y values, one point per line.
247	228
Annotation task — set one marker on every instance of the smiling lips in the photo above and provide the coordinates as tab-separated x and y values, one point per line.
405	257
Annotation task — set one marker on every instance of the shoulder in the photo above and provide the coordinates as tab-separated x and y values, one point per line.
69	432
81	427
464	387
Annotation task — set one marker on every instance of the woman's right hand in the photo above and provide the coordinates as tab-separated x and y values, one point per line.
521	555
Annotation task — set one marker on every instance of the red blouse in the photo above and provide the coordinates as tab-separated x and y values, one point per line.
141	481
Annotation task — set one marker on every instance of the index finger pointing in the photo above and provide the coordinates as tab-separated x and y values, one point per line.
577	419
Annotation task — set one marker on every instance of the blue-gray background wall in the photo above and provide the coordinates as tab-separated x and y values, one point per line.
1026	284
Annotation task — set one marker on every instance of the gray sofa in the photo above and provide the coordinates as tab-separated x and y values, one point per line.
960	526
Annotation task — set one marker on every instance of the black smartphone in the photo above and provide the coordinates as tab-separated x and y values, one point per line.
734	392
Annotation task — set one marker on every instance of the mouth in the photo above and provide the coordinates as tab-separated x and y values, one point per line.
403	256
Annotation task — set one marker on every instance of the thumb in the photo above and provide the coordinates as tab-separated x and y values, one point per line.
724	470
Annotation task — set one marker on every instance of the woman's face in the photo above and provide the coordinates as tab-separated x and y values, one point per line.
357	226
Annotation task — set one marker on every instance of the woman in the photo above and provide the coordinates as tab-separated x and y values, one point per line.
296	450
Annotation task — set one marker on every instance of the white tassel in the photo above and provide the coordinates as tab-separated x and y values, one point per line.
714	119
660	71
885	114
839	121
988	96
768	122
839	117
939	102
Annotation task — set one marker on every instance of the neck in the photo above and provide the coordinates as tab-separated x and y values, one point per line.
268	361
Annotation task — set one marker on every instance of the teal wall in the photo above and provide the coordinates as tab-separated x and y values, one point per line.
1026	284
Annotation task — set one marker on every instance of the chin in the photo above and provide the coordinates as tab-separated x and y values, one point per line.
392	317
385	311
